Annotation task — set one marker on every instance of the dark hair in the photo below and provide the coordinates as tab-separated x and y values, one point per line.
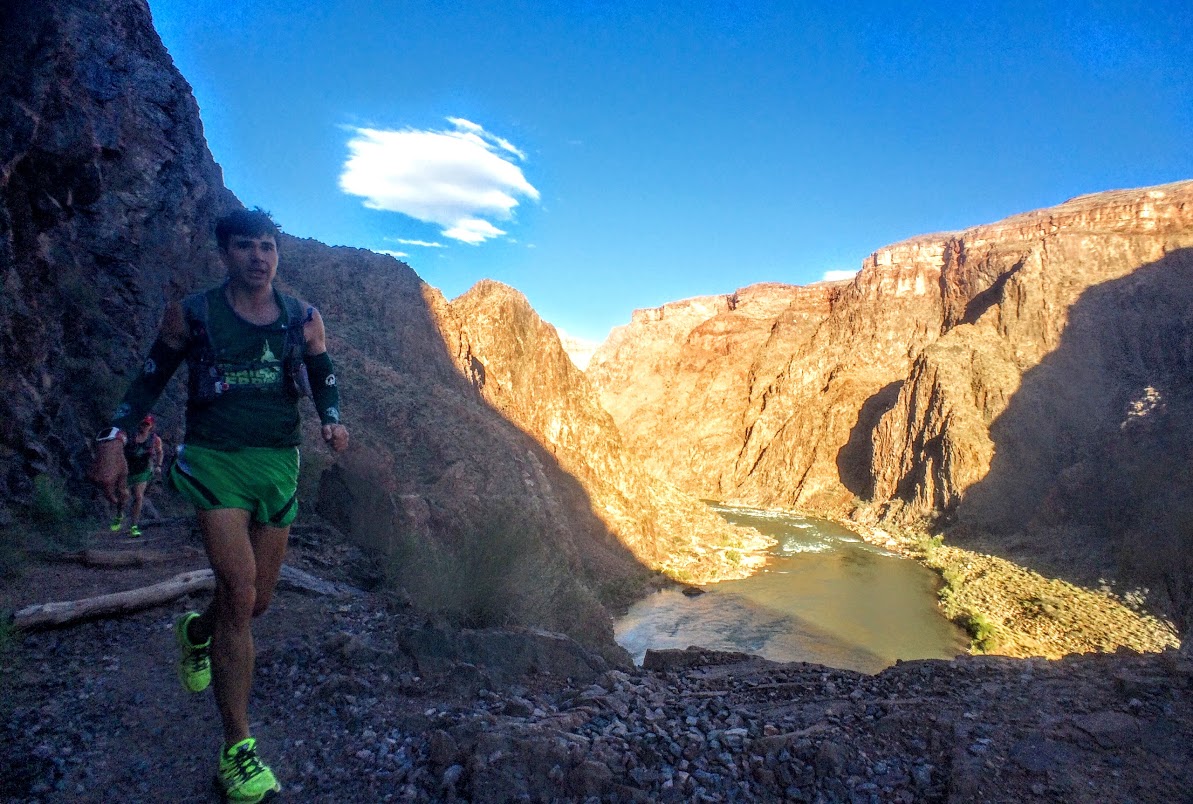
254	222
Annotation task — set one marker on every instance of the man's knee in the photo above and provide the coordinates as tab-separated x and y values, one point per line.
238	597
263	598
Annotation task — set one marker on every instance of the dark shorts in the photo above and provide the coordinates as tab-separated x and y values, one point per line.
261	480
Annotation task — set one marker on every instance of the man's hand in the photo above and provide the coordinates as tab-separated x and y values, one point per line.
109	471
336	436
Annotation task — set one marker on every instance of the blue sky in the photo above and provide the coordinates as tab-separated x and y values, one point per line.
606	156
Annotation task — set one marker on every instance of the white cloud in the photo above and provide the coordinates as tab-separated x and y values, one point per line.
836	276
458	179
394	254
478	131
473	230
422	243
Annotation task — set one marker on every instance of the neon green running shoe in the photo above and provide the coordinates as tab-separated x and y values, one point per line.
242	775
194	665
135	531
117	524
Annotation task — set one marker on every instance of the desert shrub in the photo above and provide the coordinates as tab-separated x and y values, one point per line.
49	505
56	521
621	592
925	546
496	572
733	557
954	580
982	632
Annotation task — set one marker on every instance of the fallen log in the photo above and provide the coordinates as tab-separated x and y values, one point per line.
298	580
68	612
50	615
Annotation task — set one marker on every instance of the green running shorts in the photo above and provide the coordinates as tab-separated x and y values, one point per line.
261	480
140	477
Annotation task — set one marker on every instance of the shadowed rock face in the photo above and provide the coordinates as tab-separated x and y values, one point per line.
462	413
107	196
1055	323
978	378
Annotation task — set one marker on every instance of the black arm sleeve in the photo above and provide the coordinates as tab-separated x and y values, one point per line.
148	385
324	390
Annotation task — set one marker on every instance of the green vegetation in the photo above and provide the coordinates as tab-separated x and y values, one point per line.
733	557
981	631
49	506
682	575
924	546
53	520
500	572
954	580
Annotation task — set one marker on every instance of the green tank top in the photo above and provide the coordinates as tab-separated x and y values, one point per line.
254	409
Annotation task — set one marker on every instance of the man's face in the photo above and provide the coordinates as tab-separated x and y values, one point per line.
251	261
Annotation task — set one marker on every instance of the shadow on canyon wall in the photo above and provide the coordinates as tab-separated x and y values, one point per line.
856	459
1093	454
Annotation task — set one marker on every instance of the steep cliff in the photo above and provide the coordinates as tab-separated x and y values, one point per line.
1067	358
481	466
982	379
107	194
675	382
798	371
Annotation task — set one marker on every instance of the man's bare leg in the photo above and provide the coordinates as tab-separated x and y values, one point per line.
247	560
269	546
138	500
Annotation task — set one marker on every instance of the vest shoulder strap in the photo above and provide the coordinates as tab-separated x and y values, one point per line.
194	307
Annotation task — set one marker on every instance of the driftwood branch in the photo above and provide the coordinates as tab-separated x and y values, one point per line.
52	615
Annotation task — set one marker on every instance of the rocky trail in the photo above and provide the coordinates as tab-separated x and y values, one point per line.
358	699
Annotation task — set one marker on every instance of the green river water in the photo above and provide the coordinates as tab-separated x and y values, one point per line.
825	597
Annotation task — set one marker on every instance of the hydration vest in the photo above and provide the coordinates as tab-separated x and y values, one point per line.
206	381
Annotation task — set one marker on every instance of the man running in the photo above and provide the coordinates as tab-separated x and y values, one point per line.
143	454
246	346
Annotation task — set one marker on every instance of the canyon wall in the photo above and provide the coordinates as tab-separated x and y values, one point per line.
676	385
987	380
477	445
